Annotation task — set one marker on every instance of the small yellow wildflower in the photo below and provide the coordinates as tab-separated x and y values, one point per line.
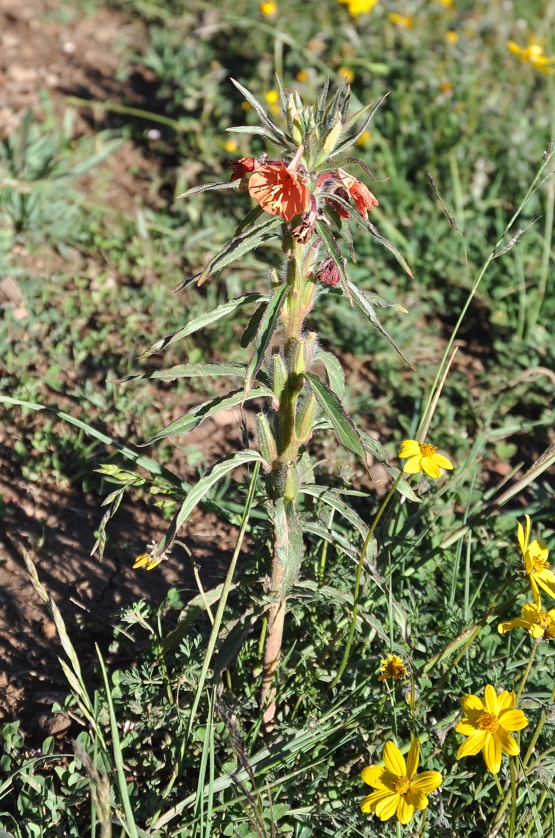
487	724
400	790
272	96
302	76
347	74
421	456
392	667
401	21
447	4
446	88
230	146
268	9
246	106
540	624
359	7
145	560
451	37
533	55
535	556
364	139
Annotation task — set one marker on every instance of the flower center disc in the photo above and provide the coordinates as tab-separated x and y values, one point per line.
488	721
401	785
427	450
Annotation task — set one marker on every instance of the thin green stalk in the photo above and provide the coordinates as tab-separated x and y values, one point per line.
527	671
512	817
356	591
223	598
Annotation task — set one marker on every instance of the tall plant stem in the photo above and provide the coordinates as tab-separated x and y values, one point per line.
297	305
356	592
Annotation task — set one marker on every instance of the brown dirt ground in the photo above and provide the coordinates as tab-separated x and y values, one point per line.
43	46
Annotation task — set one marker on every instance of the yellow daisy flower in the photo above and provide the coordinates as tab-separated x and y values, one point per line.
400	790
487	724
421	456
358	7
535	555
347	74
402	21
268	9
540	624
145	560
272	96
392	667
533	54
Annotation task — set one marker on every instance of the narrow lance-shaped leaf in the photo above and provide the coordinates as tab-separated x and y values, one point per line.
342	423
204	320
198	492
288	543
367	309
330	498
253	326
241	245
208	187
352	122
276	132
265	333
334	370
188	371
194	417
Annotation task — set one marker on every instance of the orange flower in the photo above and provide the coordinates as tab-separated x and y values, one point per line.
361	195
279	189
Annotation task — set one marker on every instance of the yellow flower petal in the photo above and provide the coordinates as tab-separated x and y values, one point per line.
442	461
471	702
394	759
473	744
372	776
413	466
523	536
490	700
430	468
466	727
518	622
426	782
387	807
506	700
413	758
507	742
530	612
513	720
405	811
492	753
370	801
410	448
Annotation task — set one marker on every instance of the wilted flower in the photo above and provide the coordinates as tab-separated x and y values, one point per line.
328	272
242	168
400	790
540	624
364	200
422	456
535	555
487	724
533	54
392	667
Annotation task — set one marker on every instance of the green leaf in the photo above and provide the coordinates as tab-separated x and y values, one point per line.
253	326
352	122
288	543
342	423
241	245
207	187
333	537
189	371
403	486
196	414
194	608
265	333
333	499
204	320
364	305
334	370
198	492
276	133
249	220
374	447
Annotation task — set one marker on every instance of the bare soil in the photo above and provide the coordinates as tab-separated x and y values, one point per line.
47	46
